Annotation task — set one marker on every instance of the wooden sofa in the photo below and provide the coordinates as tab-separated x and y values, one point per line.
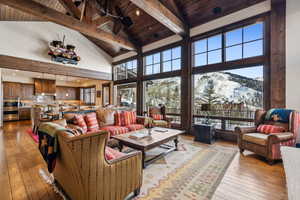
84	173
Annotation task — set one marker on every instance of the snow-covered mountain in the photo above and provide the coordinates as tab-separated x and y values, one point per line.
228	87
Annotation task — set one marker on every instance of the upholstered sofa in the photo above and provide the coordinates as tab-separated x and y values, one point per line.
268	145
83	171
122	122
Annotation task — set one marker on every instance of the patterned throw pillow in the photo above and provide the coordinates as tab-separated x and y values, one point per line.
129	117
157	116
119	119
91	122
79	120
267	129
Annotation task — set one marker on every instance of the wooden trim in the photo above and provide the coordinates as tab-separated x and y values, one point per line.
39	10
162	75
277	54
243	63
10	62
71	8
119	82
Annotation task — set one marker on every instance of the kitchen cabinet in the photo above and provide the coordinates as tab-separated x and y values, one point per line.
44	86
27	92
67	93
11	90
24	113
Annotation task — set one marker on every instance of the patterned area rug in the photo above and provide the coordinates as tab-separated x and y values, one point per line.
192	173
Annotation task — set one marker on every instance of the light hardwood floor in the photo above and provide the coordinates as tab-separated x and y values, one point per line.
247	178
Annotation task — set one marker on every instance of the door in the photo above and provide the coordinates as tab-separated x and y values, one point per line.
106	94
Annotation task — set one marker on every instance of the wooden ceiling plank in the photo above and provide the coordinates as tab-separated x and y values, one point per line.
46	13
162	14
71	8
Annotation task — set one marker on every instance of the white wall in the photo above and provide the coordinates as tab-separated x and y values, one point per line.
30	40
293	54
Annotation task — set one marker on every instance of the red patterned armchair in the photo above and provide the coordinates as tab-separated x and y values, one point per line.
268	145
158	114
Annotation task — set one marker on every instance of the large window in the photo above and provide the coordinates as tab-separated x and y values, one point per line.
166	92
125	95
241	43
165	61
126	70
228	96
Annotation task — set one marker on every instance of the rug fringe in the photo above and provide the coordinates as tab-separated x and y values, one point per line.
49	179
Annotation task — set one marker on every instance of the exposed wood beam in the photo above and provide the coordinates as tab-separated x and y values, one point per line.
101	20
162	14
49	14
71	8
11	62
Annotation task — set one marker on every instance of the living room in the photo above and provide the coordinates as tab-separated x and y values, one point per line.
149	99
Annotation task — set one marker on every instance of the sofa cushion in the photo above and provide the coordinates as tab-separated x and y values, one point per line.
162	123
91	122
129	117
267	129
79	120
61	122
257	138
134	127
115	130
105	117
70	117
111	154
157	116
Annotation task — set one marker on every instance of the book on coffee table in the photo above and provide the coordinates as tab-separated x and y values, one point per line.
139	135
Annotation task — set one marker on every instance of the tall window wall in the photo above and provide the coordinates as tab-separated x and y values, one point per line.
226	95
228	67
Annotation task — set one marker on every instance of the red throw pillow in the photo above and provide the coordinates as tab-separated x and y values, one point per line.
267	129
92	122
129	118
157	116
119	118
79	120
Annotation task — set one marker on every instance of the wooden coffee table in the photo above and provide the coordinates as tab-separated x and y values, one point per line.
157	139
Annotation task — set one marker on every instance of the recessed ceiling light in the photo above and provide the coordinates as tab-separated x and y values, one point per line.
16	70
138	12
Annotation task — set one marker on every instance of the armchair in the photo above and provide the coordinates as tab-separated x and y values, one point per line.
268	145
159	118
84	173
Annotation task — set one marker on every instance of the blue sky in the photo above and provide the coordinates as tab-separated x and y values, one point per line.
239	43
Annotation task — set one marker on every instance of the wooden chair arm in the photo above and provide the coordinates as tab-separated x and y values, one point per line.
241	130
273	138
136	154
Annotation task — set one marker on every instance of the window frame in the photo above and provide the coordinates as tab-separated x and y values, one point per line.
223	30
122	62
161	62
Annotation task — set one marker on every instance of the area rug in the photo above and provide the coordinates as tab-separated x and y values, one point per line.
192	173
32	135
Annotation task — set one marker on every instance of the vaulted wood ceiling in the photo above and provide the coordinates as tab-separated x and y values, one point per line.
145	29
